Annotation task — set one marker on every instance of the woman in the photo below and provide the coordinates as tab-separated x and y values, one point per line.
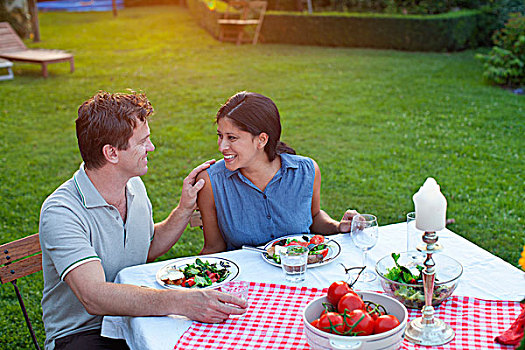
261	190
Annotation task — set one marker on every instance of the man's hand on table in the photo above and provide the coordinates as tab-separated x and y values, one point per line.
209	306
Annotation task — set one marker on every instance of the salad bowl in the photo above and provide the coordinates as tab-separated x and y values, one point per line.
411	293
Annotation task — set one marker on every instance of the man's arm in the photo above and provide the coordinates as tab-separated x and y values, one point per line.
104	298
168	232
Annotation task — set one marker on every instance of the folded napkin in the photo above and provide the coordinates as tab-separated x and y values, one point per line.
514	335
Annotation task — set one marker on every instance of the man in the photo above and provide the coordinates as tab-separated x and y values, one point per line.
100	221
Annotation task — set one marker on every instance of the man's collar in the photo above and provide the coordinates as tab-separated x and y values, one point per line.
90	196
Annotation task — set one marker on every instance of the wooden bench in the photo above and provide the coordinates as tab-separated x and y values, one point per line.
18	259
13	48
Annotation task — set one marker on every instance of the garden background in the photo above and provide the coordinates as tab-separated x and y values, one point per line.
378	123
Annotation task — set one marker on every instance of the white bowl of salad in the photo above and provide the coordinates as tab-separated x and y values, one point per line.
402	278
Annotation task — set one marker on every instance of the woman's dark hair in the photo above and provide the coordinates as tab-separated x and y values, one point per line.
255	113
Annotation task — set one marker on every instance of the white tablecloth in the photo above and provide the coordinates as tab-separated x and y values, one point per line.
485	276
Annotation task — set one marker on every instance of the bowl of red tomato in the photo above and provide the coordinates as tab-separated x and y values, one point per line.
348	319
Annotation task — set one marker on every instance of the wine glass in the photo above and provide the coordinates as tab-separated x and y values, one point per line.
364	232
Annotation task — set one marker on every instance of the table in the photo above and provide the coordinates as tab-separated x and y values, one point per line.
485	276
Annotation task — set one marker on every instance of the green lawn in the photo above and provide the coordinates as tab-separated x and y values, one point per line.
377	122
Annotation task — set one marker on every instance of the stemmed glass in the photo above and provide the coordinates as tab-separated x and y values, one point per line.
364	232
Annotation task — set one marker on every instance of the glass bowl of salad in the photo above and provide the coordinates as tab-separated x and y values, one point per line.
402	278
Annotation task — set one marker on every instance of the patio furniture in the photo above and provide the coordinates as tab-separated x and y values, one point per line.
18	259
238	17
7	65
14	49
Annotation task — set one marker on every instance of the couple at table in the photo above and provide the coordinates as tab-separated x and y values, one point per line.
100	221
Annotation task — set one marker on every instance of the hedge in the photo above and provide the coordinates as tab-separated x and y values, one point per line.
445	32
412	33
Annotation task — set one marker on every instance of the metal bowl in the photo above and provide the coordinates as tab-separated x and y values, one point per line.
392	339
448	271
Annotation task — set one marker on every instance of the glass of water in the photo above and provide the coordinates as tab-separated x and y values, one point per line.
364	234
239	289
294	261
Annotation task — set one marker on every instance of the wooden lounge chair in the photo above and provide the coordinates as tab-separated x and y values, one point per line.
239	16
13	48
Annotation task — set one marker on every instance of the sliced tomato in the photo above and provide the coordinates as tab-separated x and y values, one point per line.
189	282
302	244
317	239
323	252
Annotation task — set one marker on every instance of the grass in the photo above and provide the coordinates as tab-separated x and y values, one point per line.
377	122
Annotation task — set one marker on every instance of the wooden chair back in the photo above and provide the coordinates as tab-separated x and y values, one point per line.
18	259
9	39
239	15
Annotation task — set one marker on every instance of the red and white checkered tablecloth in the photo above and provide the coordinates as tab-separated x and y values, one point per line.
274	321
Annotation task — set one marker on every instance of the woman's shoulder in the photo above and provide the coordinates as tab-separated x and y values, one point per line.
217	169
297	160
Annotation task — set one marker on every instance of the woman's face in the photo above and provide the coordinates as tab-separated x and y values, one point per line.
240	148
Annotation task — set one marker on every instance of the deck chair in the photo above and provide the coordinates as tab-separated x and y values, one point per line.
18	259
238	17
13	48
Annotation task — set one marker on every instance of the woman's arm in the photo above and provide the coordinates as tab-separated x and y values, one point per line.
322	222
168	232
213	241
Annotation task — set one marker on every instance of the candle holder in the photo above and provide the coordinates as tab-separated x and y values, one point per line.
427	329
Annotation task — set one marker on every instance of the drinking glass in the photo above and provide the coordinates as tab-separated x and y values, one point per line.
239	289
364	232
294	261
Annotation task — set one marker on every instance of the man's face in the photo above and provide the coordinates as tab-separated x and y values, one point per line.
134	160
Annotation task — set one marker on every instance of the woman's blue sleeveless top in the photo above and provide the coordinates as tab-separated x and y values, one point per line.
247	215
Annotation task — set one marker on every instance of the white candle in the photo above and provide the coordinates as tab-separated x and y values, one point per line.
431	207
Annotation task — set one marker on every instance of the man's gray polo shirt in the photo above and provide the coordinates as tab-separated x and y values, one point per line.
77	226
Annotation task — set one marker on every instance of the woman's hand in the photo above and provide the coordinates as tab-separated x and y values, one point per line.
346	222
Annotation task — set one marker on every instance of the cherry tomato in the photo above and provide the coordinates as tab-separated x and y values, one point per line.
385	323
317	239
374	311
315	323
336	291
330	321
350	302
359	322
